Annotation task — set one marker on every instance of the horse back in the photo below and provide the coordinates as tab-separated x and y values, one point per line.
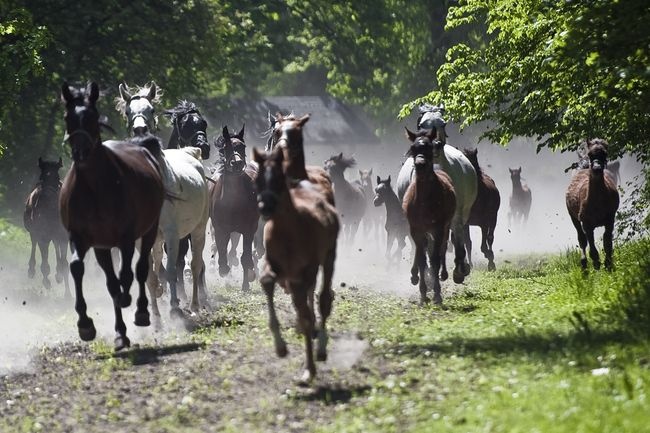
320	177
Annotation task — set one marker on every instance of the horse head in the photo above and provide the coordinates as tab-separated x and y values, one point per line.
597	154
271	181
286	131
337	164
81	121
515	174
431	117
50	171
232	150
365	178
381	191
189	128
136	105
424	148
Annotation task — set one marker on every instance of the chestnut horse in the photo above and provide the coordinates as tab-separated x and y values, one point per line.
349	196
42	221
300	237
233	203
111	196
520	200
484	211
429	204
397	228
592	201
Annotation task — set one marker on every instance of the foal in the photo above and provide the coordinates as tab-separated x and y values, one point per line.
111	196
521	198
592	201
300	237
484	211
350	199
42	221
429	205
397	228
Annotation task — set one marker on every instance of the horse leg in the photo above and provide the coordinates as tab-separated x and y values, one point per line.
198	266
85	325
127	248
44	247
267	280
607	244
62	264
155	286
141	273
325	304
259	241
487	238
582	241
354	227
444	274
105	261
461	269
434	260
247	260
419	265
31	270
183	248
389	244
299	295
593	251
401	243
232	253
213	249
172	242
222	238
468	244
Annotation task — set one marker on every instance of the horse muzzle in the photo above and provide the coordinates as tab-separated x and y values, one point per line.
420	162
597	165
377	201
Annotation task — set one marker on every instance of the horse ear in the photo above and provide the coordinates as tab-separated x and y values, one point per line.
225	133
370	172
240	134
378	180
303	119
60	163
40	163
340	156
389	178
410	135
152	91
520	169
66	95
92	90
126	96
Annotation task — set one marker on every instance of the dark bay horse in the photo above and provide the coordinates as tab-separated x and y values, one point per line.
429	204
42	221
372	215
350	199
233	203
520	199
592	201
397	228
484	211
111	196
300	237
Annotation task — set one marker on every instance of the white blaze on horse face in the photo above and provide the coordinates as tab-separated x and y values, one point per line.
141	114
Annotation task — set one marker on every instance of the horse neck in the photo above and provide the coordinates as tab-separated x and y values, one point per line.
428	183
392	203
98	171
516	185
596	184
296	163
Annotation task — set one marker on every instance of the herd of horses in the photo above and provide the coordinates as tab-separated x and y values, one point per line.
132	193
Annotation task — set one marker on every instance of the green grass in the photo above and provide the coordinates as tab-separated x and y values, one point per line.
535	349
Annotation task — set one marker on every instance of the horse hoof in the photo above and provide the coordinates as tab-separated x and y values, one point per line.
87	332
122	342
125	299
596	265
47	284
251	275
31	273
492	266
459	276
176	313
158	291
444	275
423	301
415	280
59	278
321	356
437	299
281	350
142	318
307	378
234	262
224	270
466	269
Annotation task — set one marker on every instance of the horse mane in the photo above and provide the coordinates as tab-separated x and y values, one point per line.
472	155
344	162
184	106
141	91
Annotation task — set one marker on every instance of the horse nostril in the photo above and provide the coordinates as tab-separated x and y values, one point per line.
140	130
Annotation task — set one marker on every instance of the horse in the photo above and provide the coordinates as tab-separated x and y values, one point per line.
136	105
350	199
233	203
396	226
111	196
484	211
520	199
592	201
372	215
189	129
295	215
430	206
286	131
41	219
463	177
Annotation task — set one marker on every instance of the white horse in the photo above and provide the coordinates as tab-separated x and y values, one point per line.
463	176
184	212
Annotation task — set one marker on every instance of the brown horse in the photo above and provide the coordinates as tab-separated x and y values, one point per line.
484	211
372	215
233	203
349	196
42	221
300	237
286	131
111	196
429	204
592	201
397	227
520	200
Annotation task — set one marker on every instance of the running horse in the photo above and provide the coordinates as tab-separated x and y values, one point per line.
111	196
42	221
136	105
520	199
233	204
397	228
349	196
